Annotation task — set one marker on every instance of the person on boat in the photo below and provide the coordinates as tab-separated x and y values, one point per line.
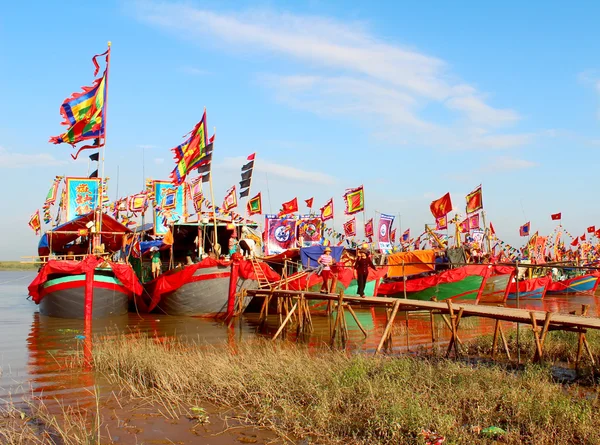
325	260
361	265
156	263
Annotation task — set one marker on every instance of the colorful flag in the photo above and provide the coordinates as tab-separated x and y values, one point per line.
251	157
385	226
355	200
289	207
492	230
169	199
369	228
309	202
137	203
83	112
524	229
247	177
591	229
464	227
393	236
350	227
53	192
405	236
35	222
556	216
255	205
198	200
192	153
474	222
441	223
474	200
327	210
230	201
441	207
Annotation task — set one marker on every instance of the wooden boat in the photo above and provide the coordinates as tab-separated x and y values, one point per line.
60	285
203	289
482	283
583	284
530	289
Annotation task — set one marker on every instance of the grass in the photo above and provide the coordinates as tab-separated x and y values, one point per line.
16	265
331	397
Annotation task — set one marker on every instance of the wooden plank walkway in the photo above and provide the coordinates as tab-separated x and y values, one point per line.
548	321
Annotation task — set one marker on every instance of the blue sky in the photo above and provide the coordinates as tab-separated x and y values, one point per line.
411	100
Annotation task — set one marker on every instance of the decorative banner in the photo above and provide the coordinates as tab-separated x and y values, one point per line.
441	223
82	196
463	227
355	200
393	236
230	201
53	192
350	227
280	234
474	200
524	229
166	193
369	228
405	236
310	230
441	207
137	203
474	221
385	225
254	205
538	249
327	210
35	223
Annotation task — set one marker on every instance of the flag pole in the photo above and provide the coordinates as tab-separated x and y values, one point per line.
250	188
212	197
104	114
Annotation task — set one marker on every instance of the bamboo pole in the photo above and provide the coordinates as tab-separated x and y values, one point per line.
285	321
388	327
337	318
360	326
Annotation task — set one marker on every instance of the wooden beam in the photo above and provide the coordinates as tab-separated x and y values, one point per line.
388	327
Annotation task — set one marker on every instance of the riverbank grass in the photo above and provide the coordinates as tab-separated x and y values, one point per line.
17	266
332	397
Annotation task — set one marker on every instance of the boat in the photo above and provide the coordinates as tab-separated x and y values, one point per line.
481	283
530	289
67	270
208	287
583	284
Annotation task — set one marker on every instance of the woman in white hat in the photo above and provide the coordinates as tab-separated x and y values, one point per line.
326	260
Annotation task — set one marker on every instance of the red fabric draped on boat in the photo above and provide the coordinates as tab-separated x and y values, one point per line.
345	274
448	276
247	271
123	272
530	285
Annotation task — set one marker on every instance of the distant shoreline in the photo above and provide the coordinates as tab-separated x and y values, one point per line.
17	266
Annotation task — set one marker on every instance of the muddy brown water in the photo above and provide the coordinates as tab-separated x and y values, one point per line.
35	352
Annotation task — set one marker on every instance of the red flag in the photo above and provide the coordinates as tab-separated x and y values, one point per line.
441	223
474	200
289	207
393	236
250	157
591	229
492	231
575	242
597	233
309	202
441	207
369	228
583	237
556	216
474	221
464	226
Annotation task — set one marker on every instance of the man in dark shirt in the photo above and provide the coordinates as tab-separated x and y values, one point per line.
362	264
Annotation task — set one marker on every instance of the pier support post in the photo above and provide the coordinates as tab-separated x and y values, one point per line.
583	341
454	323
388	327
337	317
360	326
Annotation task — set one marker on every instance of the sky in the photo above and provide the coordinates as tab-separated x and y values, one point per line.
410	99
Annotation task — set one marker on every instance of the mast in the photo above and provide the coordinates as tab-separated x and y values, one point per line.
98	213
212	198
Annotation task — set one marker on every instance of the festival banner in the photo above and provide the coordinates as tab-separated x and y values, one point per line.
254	205
82	196
393	236
441	223
355	200
327	210
385	225
310	230
350	227
474	200
280	234
35	223
169	196
369	228
230	201
137	203
538	249
405	236
463	227
474	221
524	229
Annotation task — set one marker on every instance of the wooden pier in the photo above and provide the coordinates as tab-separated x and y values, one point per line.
295	305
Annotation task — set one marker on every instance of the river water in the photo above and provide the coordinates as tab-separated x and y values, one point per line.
35	350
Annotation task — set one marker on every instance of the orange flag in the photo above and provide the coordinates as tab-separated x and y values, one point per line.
289	207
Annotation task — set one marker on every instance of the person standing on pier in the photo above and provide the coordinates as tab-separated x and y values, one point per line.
325	260
362	264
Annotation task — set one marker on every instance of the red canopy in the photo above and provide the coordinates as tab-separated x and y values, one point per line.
111	234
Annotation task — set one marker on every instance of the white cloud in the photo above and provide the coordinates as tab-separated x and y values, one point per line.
360	74
193	71
276	170
21	160
159	161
